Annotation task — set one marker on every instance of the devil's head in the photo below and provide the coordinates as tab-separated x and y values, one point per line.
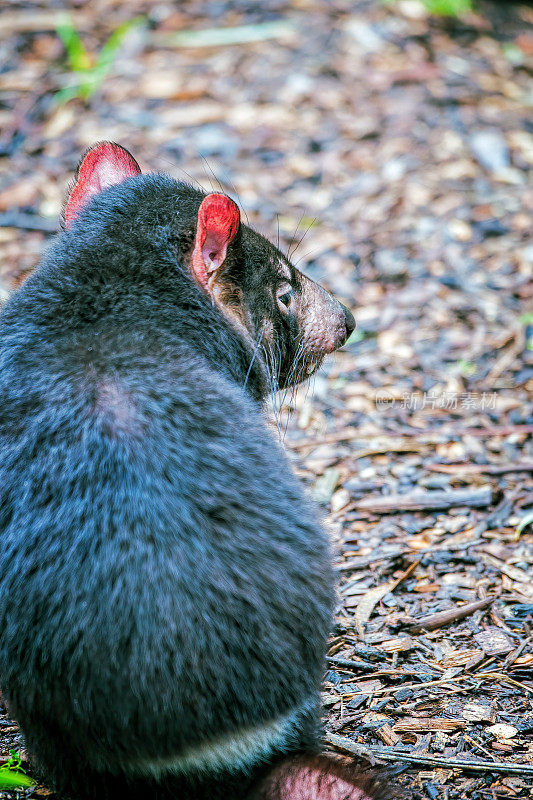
290	321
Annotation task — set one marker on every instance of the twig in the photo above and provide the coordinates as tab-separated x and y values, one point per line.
362	666
442	618
485	469
345	435
386	754
494	517
28	222
389	447
499	676
427	436
440	682
32	21
220	37
340	723
511	658
418	500
497	430
475	744
360	563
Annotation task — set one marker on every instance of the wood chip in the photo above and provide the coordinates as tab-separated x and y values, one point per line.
494	641
426	724
475	712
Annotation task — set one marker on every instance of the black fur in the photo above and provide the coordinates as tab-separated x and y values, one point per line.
162	579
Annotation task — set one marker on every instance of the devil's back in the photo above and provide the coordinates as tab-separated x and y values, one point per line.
157	553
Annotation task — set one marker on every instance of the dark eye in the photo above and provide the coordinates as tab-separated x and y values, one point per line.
285	297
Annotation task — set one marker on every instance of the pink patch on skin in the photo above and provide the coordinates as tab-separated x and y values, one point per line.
314	784
309	777
105	165
218	224
114	408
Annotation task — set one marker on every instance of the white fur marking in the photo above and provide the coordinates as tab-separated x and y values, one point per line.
239	750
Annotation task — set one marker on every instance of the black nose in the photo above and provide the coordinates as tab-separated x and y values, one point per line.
349	322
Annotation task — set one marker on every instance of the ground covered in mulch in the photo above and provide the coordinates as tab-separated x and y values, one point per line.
392	154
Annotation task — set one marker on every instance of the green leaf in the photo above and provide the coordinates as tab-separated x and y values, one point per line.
111	47
513	54
90	73
443	8
78	56
466	368
527	520
13	779
14	761
448	8
526	319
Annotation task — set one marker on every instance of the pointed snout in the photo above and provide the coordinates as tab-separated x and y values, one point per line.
339	326
326	323
349	321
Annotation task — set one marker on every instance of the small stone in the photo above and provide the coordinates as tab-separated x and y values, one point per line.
502	731
527	253
340	499
357	487
366	36
413	9
441	739
490	149
394	169
325	485
460	230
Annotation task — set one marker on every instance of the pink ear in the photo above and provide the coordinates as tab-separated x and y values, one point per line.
104	165
218	225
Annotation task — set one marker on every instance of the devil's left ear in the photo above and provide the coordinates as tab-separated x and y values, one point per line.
217	226
104	165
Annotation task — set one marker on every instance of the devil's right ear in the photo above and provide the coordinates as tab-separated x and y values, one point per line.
104	164
217	226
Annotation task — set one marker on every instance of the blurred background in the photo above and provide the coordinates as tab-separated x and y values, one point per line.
388	147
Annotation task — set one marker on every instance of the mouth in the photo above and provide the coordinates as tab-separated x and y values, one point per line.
301	373
295	371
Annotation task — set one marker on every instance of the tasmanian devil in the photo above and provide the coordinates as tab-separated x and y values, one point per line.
165	589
